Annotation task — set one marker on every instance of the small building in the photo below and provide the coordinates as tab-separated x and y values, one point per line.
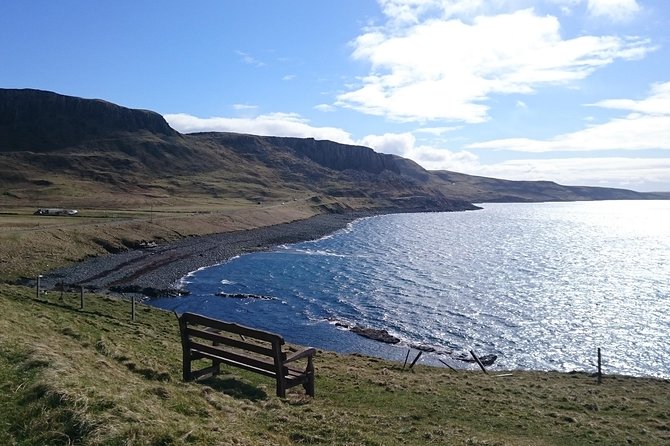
56	211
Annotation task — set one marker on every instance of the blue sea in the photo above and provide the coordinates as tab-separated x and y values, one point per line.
541	285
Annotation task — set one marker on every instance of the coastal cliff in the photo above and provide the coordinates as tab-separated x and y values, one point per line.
44	121
46	138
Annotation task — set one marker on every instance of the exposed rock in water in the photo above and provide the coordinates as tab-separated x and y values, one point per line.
423	348
375	334
245	296
485	360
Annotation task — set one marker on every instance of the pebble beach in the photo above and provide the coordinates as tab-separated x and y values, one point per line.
158	269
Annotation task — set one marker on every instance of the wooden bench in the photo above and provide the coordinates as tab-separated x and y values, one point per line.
250	349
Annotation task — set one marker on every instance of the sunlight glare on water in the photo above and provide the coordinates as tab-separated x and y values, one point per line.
540	285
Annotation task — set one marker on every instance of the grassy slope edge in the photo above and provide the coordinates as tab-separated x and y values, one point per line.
94	377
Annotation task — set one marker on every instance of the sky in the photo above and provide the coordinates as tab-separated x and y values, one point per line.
572	91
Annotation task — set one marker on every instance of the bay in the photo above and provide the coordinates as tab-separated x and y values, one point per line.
540	285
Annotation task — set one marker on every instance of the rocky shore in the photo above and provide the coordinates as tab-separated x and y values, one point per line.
157	270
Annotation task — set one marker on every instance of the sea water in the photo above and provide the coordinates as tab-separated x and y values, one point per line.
542	286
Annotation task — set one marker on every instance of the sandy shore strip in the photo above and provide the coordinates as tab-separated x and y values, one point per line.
160	268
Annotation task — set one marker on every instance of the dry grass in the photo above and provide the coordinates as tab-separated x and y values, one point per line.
94	377
31	244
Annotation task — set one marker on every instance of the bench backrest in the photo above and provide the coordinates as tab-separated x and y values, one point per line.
237	344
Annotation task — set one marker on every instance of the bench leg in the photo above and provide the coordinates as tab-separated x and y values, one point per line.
186	367
281	387
309	385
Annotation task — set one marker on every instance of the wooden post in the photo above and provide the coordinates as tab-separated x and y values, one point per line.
39	284
81	297
600	370
406	358
415	359
61	290
446	364
132	308
478	361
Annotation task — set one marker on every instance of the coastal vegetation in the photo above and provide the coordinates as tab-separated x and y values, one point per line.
93	376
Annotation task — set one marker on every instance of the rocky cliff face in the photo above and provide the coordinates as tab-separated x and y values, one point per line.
43	121
339	156
326	154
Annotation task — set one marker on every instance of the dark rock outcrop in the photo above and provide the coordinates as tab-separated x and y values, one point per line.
43	121
375	334
245	296
339	156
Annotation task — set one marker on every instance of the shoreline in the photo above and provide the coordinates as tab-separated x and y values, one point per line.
156	271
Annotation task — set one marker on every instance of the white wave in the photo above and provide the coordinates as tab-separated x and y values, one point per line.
318	252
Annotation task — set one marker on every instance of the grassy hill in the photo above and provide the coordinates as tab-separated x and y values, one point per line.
56	148
94	377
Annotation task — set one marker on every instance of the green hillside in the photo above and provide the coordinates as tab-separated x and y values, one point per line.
94	377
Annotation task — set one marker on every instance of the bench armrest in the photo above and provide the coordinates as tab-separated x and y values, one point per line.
307	353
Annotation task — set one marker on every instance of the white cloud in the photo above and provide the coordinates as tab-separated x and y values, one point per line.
646	127
658	103
429	157
392	143
412	11
324	108
634	173
249	59
566	6
614	10
635	132
244	107
274	124
289	77
447	68
436	131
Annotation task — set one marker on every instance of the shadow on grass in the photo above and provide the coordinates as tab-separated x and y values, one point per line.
234	387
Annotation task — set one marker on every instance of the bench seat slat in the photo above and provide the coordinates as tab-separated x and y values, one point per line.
242	365
192	318
216	337
218	353
292	376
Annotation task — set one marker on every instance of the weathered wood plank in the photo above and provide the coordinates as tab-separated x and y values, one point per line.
220	353
192	318
221	339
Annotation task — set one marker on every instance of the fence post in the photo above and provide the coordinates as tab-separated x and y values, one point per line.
406	358
481	366
81	297
415	359
39	284
132	308
600	370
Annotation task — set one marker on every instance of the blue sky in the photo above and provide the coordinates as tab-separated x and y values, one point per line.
573	91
